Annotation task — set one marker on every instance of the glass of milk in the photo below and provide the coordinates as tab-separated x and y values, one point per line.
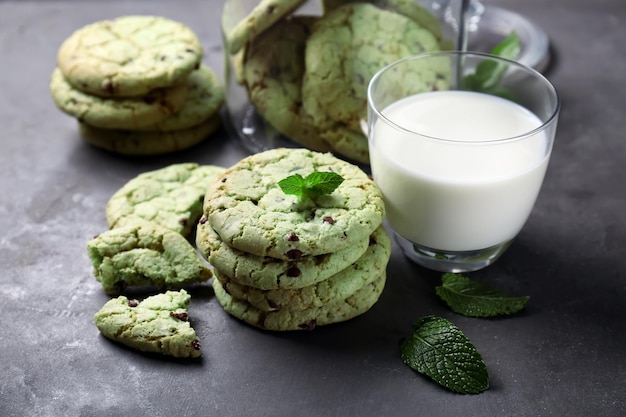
459	145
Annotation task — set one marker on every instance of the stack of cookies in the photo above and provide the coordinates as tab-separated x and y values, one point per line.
137	86
284	262
307	76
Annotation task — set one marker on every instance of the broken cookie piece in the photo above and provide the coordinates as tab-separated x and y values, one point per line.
145	255
157	324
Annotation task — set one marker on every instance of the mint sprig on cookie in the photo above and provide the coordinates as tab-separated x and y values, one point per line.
313	185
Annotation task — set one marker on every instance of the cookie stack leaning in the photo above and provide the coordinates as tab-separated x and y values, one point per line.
282	262
137	85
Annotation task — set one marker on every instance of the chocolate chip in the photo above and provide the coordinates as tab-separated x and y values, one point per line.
108	87
180	316
195	345
309	325
292	237
182	221
329	220
203	220
273	305
133	303
373	240
293	272
294	254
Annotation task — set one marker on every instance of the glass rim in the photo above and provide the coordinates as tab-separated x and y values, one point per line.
544	124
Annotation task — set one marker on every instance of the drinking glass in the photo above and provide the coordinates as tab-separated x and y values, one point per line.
459	145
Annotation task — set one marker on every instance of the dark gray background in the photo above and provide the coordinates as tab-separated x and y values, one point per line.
563	356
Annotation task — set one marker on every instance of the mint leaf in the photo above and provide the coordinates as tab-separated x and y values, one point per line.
315	184
440	350
292	185
320	183
489	73
509	48
473	299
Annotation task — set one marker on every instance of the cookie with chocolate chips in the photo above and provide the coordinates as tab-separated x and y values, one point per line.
261	16
129	56
158	324
204	100
283	320
148	142
144	255
334	86
117	113
273	66
250	212
341	285
266	273
171	197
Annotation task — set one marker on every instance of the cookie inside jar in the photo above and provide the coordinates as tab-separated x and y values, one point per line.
297	71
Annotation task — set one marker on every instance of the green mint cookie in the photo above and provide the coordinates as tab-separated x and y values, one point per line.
157	324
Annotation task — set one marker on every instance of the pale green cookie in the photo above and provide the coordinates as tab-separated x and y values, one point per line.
150	142
283	320
129	56
170	197
273	70
117	113
205	98
157	324
144	255
267	273
347	142
368	268
261	17
408	8
347	46
250	212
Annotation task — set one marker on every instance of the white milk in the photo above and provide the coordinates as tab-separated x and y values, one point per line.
458	195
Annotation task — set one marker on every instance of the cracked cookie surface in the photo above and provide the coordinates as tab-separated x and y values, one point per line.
347	46
129	55
204	100
117	113
266	273
171	197
148	142
250	212
273	67
341	285
144	255
282	320
157	324
262	16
